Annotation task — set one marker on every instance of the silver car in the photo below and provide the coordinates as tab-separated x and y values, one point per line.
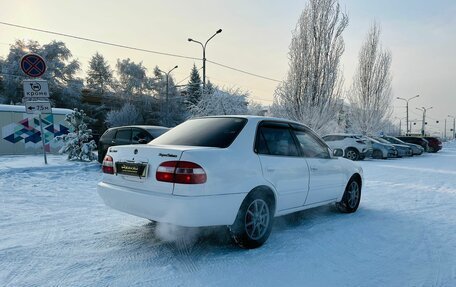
381	150
402	150
416	149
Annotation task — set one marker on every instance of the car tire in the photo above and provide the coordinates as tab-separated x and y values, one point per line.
352	154
377	154
351	198
253	223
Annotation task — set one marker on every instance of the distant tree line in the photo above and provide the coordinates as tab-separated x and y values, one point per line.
312	92
127	94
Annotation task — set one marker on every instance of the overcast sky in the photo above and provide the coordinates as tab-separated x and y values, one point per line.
256	34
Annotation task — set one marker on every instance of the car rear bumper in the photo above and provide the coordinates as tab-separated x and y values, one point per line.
189	211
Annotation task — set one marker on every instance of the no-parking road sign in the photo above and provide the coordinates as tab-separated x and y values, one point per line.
33	65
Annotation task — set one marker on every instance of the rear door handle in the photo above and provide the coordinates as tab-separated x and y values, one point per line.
314	169
270	169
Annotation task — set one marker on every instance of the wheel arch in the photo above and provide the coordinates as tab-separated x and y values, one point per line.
356	176
268	191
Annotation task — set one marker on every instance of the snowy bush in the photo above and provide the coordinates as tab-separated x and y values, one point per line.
76	143
221	102
127	115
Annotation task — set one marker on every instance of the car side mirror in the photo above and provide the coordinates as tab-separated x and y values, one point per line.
338	152
142	141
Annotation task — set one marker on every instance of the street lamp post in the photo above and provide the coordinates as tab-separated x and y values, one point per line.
424	118
167	93
407	108
454	124
204	54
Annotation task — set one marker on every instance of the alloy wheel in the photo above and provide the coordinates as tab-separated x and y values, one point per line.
257	219
353	194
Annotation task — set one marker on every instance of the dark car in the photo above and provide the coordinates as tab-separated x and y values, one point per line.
416	140
127	135
435	144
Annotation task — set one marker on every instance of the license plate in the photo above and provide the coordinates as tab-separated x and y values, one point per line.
132	169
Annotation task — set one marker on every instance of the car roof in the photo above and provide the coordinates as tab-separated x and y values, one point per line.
146	127
252	118
345	135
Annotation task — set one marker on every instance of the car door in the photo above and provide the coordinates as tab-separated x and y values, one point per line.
282	164
326	176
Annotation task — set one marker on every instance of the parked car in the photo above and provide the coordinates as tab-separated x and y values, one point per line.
381	150
435	144
127	135
235	171
354	147
416	140
402	149
416	149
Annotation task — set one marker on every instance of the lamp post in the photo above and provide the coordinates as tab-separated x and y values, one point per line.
407	112
454	124
424	118
167	93
204	54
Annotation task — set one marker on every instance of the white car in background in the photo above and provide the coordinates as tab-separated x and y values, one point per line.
355	147
238	171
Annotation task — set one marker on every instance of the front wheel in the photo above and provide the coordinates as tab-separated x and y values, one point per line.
351	198
253	223
352	154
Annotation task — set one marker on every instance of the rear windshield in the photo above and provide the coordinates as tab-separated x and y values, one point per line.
155	133
210	132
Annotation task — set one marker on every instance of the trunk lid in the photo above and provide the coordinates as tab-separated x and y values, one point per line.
129	160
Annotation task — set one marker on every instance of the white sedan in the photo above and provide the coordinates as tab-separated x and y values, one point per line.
239	171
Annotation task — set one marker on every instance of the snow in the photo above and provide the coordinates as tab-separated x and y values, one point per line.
55	231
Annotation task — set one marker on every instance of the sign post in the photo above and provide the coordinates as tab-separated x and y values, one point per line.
43	139
36	92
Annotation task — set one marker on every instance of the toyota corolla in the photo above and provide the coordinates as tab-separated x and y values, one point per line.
238	171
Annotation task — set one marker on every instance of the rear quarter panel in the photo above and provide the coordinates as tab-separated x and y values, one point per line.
236	169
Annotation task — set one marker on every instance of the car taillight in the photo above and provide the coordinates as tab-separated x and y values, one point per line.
108	165
184	172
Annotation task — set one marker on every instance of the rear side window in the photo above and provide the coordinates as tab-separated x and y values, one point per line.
209	132
157	132
275	141
123	135
108	135
138	134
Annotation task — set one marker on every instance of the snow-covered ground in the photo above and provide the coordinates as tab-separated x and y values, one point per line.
55	231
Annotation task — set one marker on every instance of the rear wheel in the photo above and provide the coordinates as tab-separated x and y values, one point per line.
351	154
351	198
253	223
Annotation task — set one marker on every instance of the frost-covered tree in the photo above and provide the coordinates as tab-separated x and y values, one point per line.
221	102
99	75
127	115
61	74
370	94
76	143
133	79
313	85
256	109
194	87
